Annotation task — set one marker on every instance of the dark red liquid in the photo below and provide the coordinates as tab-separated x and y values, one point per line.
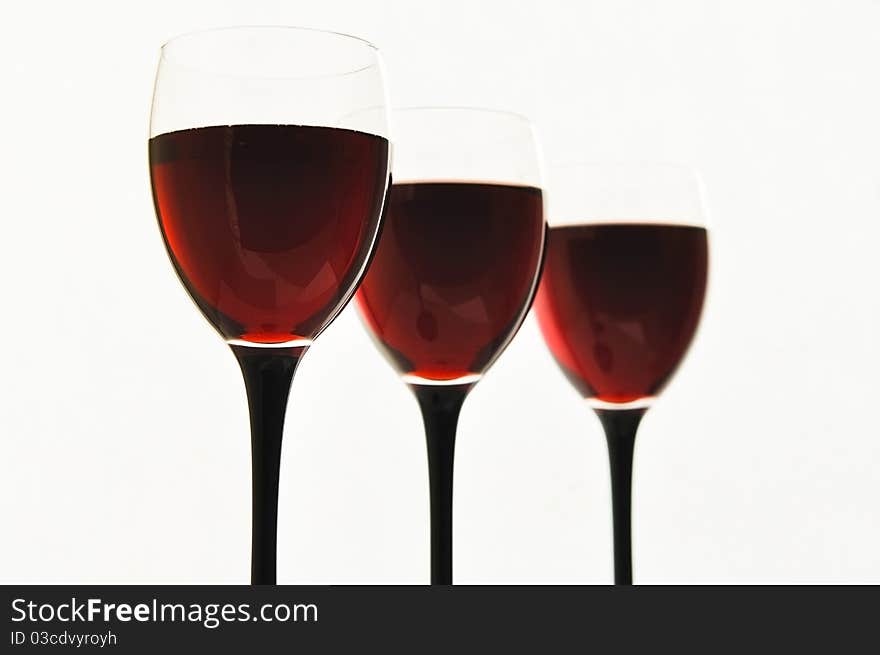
453	274
269	226
618	304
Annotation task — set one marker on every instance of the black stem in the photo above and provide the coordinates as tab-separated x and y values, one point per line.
268	373
441	405
621	426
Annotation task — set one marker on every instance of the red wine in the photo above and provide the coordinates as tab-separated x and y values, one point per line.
618	304
269	226
453	275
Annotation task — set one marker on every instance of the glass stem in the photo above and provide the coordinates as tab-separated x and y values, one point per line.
441	406
268	373
620	427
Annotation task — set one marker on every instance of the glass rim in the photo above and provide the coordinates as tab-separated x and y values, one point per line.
279	28
684	167
342	36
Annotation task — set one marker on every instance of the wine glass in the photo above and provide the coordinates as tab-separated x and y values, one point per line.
269	162
620	298
455	270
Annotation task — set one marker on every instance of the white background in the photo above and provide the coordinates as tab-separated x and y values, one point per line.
124	452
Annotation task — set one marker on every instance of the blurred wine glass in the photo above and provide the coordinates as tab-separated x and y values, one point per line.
455	270
621	297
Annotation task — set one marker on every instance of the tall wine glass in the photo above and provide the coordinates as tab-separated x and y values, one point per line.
455	270
269	162
620	299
